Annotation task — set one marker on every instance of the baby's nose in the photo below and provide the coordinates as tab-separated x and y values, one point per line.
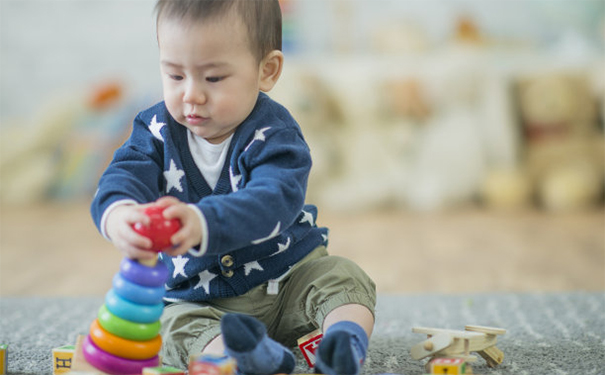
194	93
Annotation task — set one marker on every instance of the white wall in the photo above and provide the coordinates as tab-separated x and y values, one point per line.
47	46
50	46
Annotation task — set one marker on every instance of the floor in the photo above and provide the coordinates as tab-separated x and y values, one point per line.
54	249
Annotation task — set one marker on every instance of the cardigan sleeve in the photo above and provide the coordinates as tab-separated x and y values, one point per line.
271	196
134	173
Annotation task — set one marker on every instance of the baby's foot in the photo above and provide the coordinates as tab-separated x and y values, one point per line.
247	342
342	350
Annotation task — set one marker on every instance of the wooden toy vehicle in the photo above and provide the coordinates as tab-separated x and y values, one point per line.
459	344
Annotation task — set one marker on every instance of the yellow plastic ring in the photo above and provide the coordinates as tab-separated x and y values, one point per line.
124	348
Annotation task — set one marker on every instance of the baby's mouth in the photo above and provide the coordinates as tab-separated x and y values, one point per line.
195	119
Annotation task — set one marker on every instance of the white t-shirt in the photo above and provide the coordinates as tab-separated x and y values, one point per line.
208	157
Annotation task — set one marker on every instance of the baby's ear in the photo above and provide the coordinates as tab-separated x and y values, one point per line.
270	70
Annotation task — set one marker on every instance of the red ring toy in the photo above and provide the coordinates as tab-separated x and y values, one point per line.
111	364
121	347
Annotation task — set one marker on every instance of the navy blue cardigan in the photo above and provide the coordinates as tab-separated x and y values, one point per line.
256	214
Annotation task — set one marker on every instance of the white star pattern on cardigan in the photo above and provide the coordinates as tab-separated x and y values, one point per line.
155	128
254	265
235	179
179	266
282	247
273	234
307	217
259	135
205	278
173	177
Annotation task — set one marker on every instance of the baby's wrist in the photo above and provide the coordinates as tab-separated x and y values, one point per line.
203	230
108	211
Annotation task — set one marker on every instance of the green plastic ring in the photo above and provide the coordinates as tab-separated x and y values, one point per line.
127	329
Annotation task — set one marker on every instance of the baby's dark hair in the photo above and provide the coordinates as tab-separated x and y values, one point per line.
262	18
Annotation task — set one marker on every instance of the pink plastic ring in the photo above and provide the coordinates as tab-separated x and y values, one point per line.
114	365
147	276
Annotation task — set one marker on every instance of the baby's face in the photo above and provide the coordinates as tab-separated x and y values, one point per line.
209	74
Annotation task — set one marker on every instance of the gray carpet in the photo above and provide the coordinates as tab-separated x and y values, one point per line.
547	333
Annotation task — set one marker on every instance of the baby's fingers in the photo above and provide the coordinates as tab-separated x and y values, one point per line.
166	201
177	250
136	240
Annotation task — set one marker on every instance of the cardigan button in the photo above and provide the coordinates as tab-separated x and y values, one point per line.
227	261
227	273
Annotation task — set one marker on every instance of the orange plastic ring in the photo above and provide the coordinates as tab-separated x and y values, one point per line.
124	348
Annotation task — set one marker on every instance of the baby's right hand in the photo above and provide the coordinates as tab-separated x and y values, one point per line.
119	230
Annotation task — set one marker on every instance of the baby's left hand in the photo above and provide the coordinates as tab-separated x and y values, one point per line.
190	233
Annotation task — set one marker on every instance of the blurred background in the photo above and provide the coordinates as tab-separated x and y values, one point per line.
458	145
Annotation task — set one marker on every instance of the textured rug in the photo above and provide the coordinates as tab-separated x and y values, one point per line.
561	333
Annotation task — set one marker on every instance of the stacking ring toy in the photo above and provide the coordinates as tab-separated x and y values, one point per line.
127	329
132	292
127	310
143	275
123	348
114	365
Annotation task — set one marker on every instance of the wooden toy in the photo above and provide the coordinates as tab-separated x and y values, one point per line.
308	344
208	364
459	344
162	370
3	359
62	359
453	366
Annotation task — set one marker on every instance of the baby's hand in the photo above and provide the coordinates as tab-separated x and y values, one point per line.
190	233
119	230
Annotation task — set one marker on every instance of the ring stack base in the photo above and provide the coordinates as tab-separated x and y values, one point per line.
79	363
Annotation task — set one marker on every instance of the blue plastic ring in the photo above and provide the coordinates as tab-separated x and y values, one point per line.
133	312
143	275
144	295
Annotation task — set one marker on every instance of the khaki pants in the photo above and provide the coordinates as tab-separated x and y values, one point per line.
316	285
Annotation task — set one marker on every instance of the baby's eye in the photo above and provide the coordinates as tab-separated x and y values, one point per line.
214	79
175	77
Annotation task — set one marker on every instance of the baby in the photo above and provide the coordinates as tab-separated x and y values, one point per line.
249	268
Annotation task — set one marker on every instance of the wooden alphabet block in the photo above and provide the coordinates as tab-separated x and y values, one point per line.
62	359
207	364
450	366
3	359
308	344
162	370
79	365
